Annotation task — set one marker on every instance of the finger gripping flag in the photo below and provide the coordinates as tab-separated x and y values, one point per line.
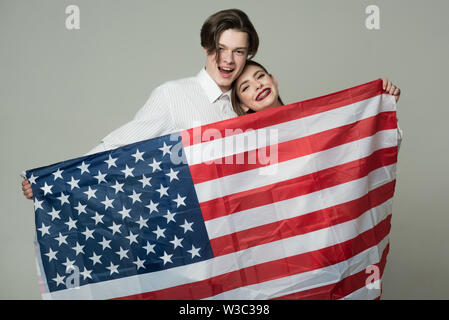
292	202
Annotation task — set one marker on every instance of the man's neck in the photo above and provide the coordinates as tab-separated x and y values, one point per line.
222	88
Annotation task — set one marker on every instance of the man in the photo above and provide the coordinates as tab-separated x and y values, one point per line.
228	38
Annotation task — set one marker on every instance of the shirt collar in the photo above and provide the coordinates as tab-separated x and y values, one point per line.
209	86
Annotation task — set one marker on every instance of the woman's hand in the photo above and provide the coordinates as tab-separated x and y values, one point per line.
389	87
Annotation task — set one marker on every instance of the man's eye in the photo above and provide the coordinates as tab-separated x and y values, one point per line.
241	52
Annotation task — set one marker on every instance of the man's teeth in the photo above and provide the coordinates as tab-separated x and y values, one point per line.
226	69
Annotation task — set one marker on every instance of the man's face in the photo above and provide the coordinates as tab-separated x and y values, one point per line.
232	53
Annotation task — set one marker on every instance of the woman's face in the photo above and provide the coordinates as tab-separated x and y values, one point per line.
256	89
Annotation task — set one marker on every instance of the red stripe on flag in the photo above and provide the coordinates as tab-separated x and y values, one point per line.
340	289
272	270
287	113
294	148
298	186
302	224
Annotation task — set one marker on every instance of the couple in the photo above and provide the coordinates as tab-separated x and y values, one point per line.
230	85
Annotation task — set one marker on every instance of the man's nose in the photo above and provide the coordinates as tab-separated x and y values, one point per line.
227	56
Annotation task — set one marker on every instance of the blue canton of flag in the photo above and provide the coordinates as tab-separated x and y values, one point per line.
116	214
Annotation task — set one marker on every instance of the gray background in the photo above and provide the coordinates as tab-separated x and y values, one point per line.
61	91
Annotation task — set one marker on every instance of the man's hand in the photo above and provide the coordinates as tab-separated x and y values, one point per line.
391	88
27	191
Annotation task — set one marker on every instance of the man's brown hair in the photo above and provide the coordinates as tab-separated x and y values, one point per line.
224	20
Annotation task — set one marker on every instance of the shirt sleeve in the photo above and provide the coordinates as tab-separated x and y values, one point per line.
152	120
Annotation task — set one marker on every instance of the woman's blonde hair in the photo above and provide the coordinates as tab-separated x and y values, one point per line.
236	103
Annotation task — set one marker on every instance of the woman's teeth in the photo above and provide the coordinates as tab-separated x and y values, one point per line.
263	94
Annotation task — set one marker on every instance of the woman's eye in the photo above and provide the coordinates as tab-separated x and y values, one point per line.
244	89
261	75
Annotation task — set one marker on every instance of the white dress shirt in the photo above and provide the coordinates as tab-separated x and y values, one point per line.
173	106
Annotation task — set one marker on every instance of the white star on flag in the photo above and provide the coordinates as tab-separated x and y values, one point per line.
159	232
113	268
152	206
118	187
59	279
176	242
111	162
38	204
101	177
32	179
122	253
194	252
128	172
63	198
179	201
61	239
139	263
51	254
162	191
95	259
155	165
173	174
145	181
135	196
107	203
90	193
88	233
115	228
83	167
54	214
138	155
58	174
187	226
165	149
73	183
166	258
125	212
81	208
44	230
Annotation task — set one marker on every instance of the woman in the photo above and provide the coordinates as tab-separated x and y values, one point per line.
257	90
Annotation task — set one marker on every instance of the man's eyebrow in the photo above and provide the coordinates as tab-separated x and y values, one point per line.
254	75
239	48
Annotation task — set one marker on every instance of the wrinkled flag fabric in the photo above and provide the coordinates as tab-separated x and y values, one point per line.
293	202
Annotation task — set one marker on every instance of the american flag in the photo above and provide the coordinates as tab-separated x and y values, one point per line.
288	203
